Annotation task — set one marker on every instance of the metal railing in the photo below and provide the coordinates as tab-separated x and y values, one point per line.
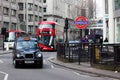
73	51
103	54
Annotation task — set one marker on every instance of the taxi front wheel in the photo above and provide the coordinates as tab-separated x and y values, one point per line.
40	65
15	64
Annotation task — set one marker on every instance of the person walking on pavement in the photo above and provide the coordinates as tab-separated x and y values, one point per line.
101	40
106	39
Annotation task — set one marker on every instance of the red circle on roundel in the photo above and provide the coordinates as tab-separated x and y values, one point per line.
82	18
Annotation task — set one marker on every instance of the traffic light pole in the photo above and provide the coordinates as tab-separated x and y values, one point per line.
66	30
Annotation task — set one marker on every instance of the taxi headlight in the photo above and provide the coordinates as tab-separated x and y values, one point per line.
38	54
18	55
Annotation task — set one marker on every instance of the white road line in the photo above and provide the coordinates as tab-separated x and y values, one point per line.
1	61
50	58
52	66
44	61
6	75
76	73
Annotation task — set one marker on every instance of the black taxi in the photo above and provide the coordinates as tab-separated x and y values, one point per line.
26	51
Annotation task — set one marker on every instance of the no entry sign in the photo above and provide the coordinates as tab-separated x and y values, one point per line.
80	22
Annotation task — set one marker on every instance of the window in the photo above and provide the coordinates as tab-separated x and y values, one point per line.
13	26
44	9
30	17
40	1
44	19
13	12
44	1
40	9
13	1
36	18
30	6
117	4
83	11
36	7
30	28
20	6
21	17
6	25
0	10
5	11
40	18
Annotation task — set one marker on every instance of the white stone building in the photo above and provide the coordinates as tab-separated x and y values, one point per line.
58	10
112	26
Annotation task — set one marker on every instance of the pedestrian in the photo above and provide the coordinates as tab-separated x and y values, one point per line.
83	39
106	39
101	40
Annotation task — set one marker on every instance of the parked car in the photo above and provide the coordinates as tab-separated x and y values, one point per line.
26	51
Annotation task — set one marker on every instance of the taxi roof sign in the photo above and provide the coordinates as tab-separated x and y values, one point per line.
26	38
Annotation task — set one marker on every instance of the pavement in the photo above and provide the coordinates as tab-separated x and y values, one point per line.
85	67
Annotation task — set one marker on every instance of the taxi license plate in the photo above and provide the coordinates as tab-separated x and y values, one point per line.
29	62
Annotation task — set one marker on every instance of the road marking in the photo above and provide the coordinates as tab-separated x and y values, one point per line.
50	58
52	66
1	61
76	73
44	61
6	75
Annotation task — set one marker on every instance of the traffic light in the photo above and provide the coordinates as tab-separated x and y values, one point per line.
3	31
66	23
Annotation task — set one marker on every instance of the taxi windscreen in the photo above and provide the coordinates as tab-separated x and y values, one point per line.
26	44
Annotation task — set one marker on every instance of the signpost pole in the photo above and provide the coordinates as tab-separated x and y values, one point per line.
80	35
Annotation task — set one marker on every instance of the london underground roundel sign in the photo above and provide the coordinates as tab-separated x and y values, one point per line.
80	22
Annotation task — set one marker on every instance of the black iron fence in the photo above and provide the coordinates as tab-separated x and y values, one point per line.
103	54
73	51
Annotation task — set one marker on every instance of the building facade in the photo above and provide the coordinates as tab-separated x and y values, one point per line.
112	21
30	12
116	16
8	14
25	14
58	10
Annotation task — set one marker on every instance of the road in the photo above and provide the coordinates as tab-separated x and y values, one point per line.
48	72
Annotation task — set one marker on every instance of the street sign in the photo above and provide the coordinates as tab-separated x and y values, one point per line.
106	15
80	22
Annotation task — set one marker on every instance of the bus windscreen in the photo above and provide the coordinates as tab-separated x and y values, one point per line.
45	26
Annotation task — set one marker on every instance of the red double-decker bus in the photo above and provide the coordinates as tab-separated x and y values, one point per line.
10	37
48	34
